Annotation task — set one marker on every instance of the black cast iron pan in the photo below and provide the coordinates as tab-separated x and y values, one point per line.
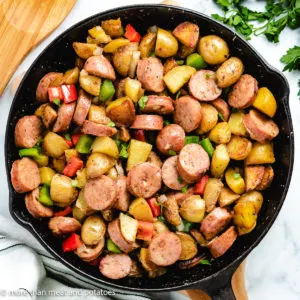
59	56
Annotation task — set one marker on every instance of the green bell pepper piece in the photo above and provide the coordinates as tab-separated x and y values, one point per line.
207	146
44	197
84	144
112	247
107	90
196	61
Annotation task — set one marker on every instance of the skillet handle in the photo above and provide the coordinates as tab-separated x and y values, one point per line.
222	293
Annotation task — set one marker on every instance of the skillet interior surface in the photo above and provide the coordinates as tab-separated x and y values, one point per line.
59	56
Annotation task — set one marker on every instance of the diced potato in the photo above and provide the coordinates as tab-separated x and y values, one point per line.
239	147
187	33
244	215
49	116
91	40
145	260
124	134
97	114
265	102
198	236
69	153
169	64
140	210
113	27
235	181
112	173
166	44
185	51
227	197
85	50
267	178
42	160
211	193
171	211
209	118
61	190
81	177
132	89
160	227
236	124
254	197
39	112
242	230
46	174
253	176
106	145
178	77
93	230
138	152
220	134
220	161
129	227
147	44
189	247
99	34
153	158
90	83
81	209
192	209
112	46
261	154
108	214
71	76
98	164
54	145
59	164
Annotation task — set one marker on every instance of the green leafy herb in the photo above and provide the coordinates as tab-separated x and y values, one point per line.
172	152
186	225
118	142
74	183
204	262
57	102
68	136
180	62
180	180
192	139
166	122
161	219
207	76
161	205
123	152
178	94
236	176
152	54
221	116
142	102
291	59
184	189
111	124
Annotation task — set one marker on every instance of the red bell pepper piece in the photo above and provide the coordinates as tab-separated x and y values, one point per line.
70	144
71	243
139	134
155	208
200	185
64	212
75	138
131	34
73	166
55	92
69	93
145	230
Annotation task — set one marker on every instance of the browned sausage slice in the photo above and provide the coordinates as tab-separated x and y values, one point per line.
28	131
203	86
49	116
267	178
180	196
123	197
115	266
150	73
63	225
165	249
170	174
187	113
260	127
64	117
243	92
147	122
222	243
144	180
35	208
161	105
100	193
222	107
115	234
25	175
93	128
171	137
82	108
89	253
100	66
42	88
215	222
193	162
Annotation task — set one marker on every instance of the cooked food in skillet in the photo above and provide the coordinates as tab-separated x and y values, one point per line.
151	151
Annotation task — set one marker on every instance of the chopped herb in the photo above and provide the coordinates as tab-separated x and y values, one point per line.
161	219
180	180
187	225
291	59
74	183
172	152
178	94
142	102
204	262
123	152
118	142
57	102
166	122
221	116
184	189
180	62
192	139
152	54
236	176
111	124
207	76
68	136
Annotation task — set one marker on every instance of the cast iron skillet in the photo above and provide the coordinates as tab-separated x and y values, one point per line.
59	56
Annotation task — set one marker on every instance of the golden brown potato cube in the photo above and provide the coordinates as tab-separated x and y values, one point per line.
254	197
227	197
220	134
189	247
147	44
71	76
185	51
54	145
97	114
220	161
239	147
261	154
113	27
267	178
253	176
69	153
124	134
211	193
209	118
265	102
98	164
90	83
198	236
99	35
85	50
169	64
244	215
187	33
236	124
171	211
81	177
140	210
234	180
166	44
113	46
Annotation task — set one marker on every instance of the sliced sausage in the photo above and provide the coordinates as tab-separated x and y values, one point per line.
28	131
123	197
115	234
49	116
193	162
64	117
25	175
215	222
100	66
222	107
82	108
203	86
34	206
187	113
222	243
147	122
171	137
63	225
115	266
144	180
267	179
165	249
150	73
93	128
244	92
161	105
180	196
170	174
89	253
42	88
260	127
100	193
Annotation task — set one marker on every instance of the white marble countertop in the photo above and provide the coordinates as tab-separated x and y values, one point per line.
273	268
